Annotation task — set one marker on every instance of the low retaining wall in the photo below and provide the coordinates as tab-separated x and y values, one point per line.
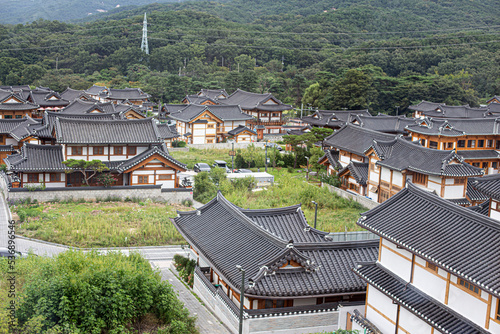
366	202
227	146
155	193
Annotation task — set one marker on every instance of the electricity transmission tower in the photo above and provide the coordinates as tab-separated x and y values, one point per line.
144	44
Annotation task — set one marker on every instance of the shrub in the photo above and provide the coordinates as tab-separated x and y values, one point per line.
178	143
187	202
94	293
185	267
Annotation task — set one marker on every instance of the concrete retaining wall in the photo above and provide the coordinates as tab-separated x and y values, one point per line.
92	193
227	146
366	202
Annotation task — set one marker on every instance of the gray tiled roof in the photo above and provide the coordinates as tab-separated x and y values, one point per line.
483	208
456	127
77	131
454	238
333	158
333	118
167	131
86	107
127	164
401	154
358	170
478	154
7	125
35	158
95	90
43	99
240	129
489	185
264	245
196	99
22	105
6	148
417	302
352	138
72	94
23	130
249	101
127	94
426	106
213	93
224	113
385	123
472	193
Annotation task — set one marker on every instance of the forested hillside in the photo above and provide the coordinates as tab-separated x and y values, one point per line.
328	54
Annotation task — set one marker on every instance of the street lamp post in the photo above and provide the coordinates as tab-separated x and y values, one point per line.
242	296
232	159
315	213
266	157
307	169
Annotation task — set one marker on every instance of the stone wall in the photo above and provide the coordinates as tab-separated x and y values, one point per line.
364	201
92	193
303	322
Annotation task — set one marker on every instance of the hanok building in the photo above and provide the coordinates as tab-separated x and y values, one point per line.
475	139
135	96
494	99
490	187
46	100
200	124
437	271
70	95
425	109
384	123
133	151
98	93
392	164
297	279
333	119
206	97
82	107
266	110
14	133
351	141
13	106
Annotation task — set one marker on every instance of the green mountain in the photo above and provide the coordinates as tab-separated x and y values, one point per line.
14	11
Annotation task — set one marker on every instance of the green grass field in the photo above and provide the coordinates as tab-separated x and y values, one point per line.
105	224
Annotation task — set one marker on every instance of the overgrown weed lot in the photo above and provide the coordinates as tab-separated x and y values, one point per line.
104	224
208	156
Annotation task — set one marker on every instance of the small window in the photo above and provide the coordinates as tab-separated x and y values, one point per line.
275	114
422	142
98	150
143	179
420	178
461	143
480	143
494	164
433	144
475	164
76	150
33	178
497	145
210	126
459	181
55	177
19	116
431	266
485	165
165	177
118	150
8	116
210	141
449	146
131	150
471	287
489	143
471	143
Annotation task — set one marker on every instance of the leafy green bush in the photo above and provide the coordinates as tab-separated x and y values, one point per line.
178	143
185	267
80	292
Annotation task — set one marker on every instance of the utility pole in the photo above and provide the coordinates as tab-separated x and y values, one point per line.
232	158
144	44
397	110
266	156
282	63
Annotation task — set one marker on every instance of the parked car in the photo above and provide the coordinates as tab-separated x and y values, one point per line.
243	171
201	167
4	252
274	145
221	164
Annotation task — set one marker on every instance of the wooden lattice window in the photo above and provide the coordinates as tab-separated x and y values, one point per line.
470	287
55	177
33	178
131	150
431	266
118	150
143	179
76	150
98	150
420	178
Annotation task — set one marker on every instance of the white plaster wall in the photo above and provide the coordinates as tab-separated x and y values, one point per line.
11	141
383	304
454	191
469	306
449	181
344	160
435	178
397	178
386	174
412	324
304	301
426	281
166	183
374	177
395	262
434	186
198	140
